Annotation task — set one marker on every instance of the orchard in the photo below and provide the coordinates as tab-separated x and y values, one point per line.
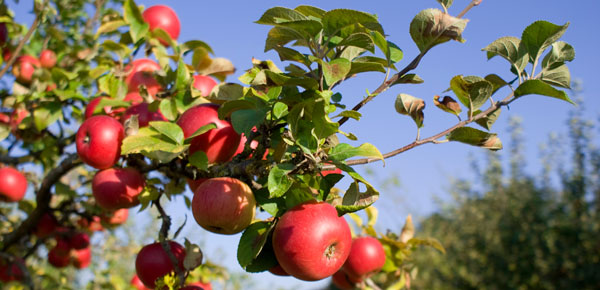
106	114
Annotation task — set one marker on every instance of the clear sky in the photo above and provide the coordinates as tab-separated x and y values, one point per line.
424	172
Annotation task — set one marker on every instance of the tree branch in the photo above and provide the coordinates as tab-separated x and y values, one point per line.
164	242
89	25
43	197
25	39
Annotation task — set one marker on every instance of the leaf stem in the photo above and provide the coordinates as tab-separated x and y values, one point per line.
471	5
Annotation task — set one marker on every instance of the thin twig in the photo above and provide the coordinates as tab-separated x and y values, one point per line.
20	46
89	25
471	5
164	242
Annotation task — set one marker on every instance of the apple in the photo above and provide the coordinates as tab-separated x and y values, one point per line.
367	257
62	247
223	205
137	283
277	270
24	67
220	143
47	58
153	262
194	183
57	257
50	87
341	281
162	16
13	184
6	53
311	241
140	72
144	114
132	97
118	217
99	141
205	286
11	270
3	34
46	226
204	84
81	258
16	118
4	118
116	188
92	225
79	241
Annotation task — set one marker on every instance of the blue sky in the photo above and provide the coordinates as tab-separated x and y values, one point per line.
424	172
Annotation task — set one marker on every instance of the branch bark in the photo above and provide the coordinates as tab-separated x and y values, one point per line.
20	46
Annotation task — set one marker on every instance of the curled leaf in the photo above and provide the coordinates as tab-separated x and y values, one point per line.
408	231
409	105
448	104
475	137
432	27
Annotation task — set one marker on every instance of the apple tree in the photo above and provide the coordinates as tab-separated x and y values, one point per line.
104	110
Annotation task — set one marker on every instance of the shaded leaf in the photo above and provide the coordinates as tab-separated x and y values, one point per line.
511	49
431	27
447	104
199	160
226	92
337	19
431	242
489	120
411	106
538	87
355	200
46	114
475	137
540	35
252	242
110	26
138	28
496	81
278	181
278	15
558	76
169	130
344	151
409	79
561	52
200	131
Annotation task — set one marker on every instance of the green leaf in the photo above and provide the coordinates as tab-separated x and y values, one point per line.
252	242
472	91
511	49
110	26
488	121
411	106
344	151
182	79
560	53
538	87
152	144
292	55
4	131
431	242
278	15
360	66
350	114
409	79
278	181
280	110
336	70
46	114
311	11
540	35
337	19
475	137
138	28
194	44
431	27
244	120
227	92
168	108
200	131
323	125
169	130
199	160
355	200
496	81
445	3
59	74
307	28
281	79
359	39
447	104
279	36
391	51
558	76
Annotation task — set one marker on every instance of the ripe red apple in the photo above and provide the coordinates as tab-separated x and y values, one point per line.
81	258
24	67
6	53
198	286
224	205
79	241
194	183
13	184
311	241
46	226
140	72
4	118
277	270
47	58
161	16
57	258
118	217
11	270
16	118
116	188
152	262
132	97
62	247
90	224
3	34
50	87
99	141
341	281
144	114
367	257
204	84
219	144
137	283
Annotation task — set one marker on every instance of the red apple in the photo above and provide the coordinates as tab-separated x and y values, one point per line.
198	286
311	241
6	53
24	67
13	184
132	97
50	87
3	34
204	84
194	183
137	283
253	145
62	247
47	58
79	241
140	72
99	141
11	270
277	270
46	226
16	118
57	258
144	114
92	225
333	171
161	16
152	262
81	258
118	217
367	256
116	188
219	144
4	118
341	281
223	205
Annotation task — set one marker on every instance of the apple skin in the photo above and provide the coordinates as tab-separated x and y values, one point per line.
153	262
13	184
3	34
219	144
205	286
24	67
46	226
10	271
162	16
367	257
4	118
116	188
91	225
194	183
99	141
340	280
145	116
277	270
224	205
47	58
137	283
140	72
132	97
57	258
118	217
204	84
79	241
81	258
311	242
